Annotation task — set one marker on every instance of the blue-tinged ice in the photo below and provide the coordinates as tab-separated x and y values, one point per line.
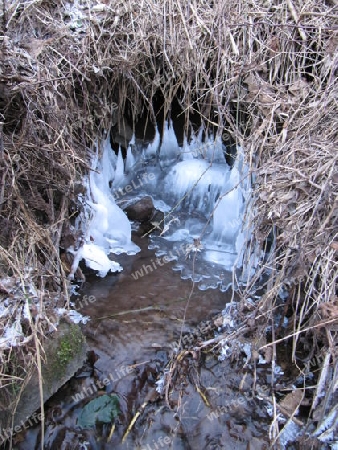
169	151
202	198
152	149
130	159
105	227
119	169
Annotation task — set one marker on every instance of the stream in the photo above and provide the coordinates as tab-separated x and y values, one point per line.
170	285
133	330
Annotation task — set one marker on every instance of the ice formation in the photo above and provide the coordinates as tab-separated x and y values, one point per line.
151	150
208	200
73	315
203	200
12	336
196	181
169	150
105	227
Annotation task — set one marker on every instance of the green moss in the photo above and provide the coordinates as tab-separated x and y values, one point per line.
65	353
70	345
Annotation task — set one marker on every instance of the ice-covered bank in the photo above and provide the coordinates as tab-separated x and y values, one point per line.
104	226
202	198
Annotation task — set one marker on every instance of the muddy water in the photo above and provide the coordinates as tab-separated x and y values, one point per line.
133	331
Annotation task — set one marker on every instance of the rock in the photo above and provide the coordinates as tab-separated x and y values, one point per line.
142	210
63	354
157	221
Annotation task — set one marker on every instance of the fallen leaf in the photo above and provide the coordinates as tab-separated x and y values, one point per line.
334	245
291	401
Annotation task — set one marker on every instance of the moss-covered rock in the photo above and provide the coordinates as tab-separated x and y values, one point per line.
63	354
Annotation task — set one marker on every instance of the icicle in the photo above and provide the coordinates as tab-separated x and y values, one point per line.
152	149
119	170
186	152
198	181
169	150
130	160
105	226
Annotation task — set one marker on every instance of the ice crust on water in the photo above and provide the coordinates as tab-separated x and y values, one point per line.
161	205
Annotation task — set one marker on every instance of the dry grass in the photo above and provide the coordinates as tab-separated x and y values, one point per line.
263	72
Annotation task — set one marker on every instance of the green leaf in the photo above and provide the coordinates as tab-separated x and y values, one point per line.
103	409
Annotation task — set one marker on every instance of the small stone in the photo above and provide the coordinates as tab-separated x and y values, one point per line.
142	210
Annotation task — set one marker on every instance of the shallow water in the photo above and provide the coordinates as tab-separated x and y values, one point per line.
134	327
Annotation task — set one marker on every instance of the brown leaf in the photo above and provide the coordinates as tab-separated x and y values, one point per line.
3	289
291	401
299	88
274	45
268	351
334	245
329	310
36	46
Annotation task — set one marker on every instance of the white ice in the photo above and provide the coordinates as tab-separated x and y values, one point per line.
12	334
195	181
73	315
196	184
119	169
169	151
152	149
195	188
130	160
105	226
97	259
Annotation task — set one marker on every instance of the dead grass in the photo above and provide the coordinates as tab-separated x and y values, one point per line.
263	72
